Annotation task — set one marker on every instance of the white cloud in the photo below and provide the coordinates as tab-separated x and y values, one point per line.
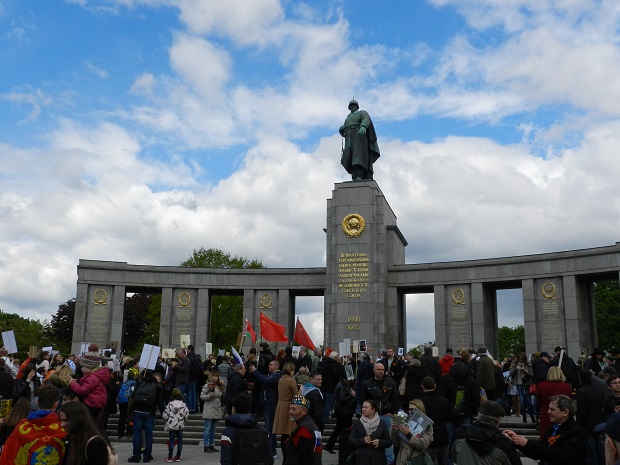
246	23
127	184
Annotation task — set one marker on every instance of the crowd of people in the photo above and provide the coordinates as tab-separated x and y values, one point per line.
59	407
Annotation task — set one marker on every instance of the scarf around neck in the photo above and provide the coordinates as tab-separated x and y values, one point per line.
370	424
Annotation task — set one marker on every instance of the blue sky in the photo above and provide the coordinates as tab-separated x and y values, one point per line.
140	130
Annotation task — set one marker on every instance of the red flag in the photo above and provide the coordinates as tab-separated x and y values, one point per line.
271	330
301	336
250	330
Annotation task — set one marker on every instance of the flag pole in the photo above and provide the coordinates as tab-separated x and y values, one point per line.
243	332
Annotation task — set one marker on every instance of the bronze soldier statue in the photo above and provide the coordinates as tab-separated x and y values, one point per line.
360	144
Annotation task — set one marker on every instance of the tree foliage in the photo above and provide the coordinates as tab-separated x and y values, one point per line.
511	340
59	330
217	258
607	305
27	332
226	311
135	324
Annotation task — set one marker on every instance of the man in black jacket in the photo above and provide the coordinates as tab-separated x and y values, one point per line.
439	410
430	364
332	371
564	442
394	367
384	392
268	398
590	414
235	385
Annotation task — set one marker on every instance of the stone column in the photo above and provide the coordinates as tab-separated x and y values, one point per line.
79	322
484	318
550	315
116	319
580	321
357	306
203	321
530	320
441	318
165	321
102	301
458	308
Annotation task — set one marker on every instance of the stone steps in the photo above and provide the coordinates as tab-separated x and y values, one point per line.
193	432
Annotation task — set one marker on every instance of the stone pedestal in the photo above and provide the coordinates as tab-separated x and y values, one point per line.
363	242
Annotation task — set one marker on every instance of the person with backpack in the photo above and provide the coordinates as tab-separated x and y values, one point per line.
243	441
175	414
147	397
124	394
461	389
85	443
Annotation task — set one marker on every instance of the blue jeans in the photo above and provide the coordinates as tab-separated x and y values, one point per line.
191	396
209	432
183	389
172	435
389	452
526	404
269	412
143	422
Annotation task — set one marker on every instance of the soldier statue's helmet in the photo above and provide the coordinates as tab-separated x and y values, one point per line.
353	102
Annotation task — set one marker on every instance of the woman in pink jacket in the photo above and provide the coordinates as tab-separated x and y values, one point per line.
91	386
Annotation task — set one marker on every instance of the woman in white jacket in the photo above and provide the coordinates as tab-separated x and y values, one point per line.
174	415
211	394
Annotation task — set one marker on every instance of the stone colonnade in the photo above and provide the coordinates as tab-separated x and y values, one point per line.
364	285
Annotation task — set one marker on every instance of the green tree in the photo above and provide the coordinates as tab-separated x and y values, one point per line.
27	332
511	340
607	306
59	330
226	311
135	324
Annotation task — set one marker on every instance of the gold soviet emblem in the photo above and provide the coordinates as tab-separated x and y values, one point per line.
353	225
100	296
266	301
548	291
184	299
458	296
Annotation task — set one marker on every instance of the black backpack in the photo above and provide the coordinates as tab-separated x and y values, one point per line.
196	369
459	399
251	447
146	395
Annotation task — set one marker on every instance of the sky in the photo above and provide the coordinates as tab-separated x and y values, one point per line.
140	130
